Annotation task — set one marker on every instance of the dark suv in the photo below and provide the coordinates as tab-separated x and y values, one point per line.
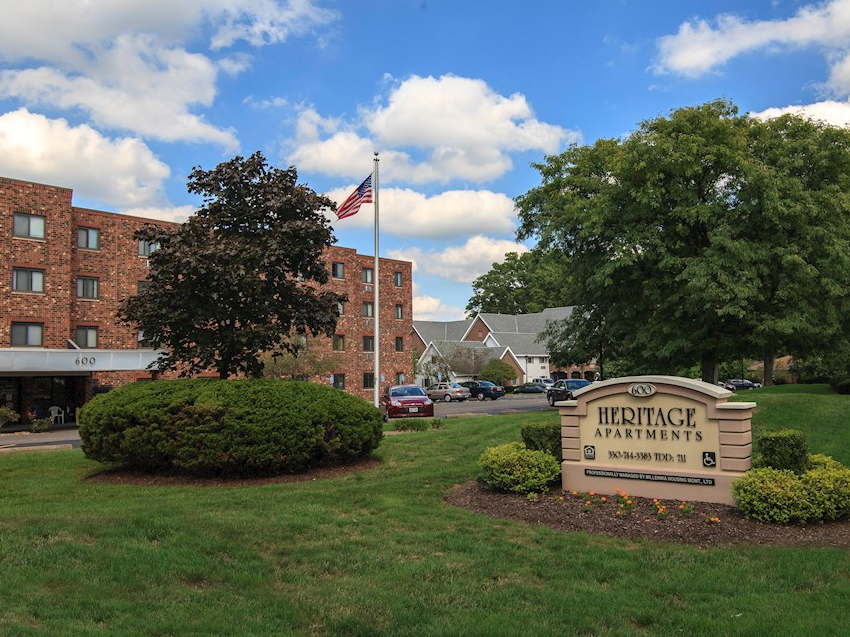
482	389
563	389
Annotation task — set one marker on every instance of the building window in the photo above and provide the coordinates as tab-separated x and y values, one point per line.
28	226
399	311
366	273
368	309
340	308
27	334
339	381
26	280
86	337
368	343
368	380
88	238
147	247
339	342
87	287
142	342
141	286
399	343
337	270
397	279
399	378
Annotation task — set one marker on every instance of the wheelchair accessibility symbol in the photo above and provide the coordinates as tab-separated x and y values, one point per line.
709	459
589	452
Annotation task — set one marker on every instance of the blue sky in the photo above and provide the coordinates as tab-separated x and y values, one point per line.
120	99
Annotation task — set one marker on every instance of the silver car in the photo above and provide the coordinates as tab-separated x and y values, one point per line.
447	392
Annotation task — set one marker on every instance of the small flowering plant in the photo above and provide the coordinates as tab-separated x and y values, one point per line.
713	519
38	425
660	509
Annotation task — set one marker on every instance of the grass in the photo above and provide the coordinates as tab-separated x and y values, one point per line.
379	553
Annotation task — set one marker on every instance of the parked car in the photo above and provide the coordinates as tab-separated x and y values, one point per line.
482	389
447	392
404	401
546	383
563	389
736	384
530	388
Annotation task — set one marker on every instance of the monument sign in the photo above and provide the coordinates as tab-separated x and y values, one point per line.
656	437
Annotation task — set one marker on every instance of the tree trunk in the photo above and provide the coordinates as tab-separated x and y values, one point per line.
767	381
708	366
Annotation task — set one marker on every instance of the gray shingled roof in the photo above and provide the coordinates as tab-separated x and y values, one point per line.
441	330
517	331
525	323
521	344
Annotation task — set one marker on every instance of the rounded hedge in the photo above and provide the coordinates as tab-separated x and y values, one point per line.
512	467
820	494
228	427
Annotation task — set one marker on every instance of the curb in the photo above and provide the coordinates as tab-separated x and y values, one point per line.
16	449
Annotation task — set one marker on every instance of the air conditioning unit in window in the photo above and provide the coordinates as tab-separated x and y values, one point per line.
369	357
367	288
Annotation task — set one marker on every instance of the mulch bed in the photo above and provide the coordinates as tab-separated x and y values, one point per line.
571	514
564	511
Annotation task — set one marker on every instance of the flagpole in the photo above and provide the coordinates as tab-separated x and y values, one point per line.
377	372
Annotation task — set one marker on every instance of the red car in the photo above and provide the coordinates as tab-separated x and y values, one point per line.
405	401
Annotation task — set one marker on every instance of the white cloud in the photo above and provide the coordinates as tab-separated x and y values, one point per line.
120	172
126	63
175	214
460	264
454	213
140	86
438	129
830	112
698	48
430	308
65	32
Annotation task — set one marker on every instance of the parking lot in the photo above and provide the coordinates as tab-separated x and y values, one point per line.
520	402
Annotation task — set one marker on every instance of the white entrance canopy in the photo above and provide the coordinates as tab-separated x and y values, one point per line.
58	361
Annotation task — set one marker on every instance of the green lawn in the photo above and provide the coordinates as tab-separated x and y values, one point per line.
379	553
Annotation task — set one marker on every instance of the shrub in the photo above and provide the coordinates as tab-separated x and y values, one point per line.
843	387
779	495
7	414
769	495
512	467
543	436
786	449
228	427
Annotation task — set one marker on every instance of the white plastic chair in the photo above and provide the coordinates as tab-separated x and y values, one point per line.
57	415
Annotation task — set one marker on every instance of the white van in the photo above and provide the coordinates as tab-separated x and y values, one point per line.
544	382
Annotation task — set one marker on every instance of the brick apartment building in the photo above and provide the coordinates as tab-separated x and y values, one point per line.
64	271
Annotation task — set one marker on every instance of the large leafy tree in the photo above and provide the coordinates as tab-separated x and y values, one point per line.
702	236
522	284
242	277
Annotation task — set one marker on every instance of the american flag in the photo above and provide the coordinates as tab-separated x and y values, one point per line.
362	195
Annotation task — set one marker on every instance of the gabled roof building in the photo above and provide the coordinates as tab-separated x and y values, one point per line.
461	348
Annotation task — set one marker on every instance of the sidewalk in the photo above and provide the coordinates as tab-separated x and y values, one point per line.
48	441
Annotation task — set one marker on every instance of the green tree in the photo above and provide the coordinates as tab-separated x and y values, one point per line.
311	357
498	372
691	238
241	277
522	284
